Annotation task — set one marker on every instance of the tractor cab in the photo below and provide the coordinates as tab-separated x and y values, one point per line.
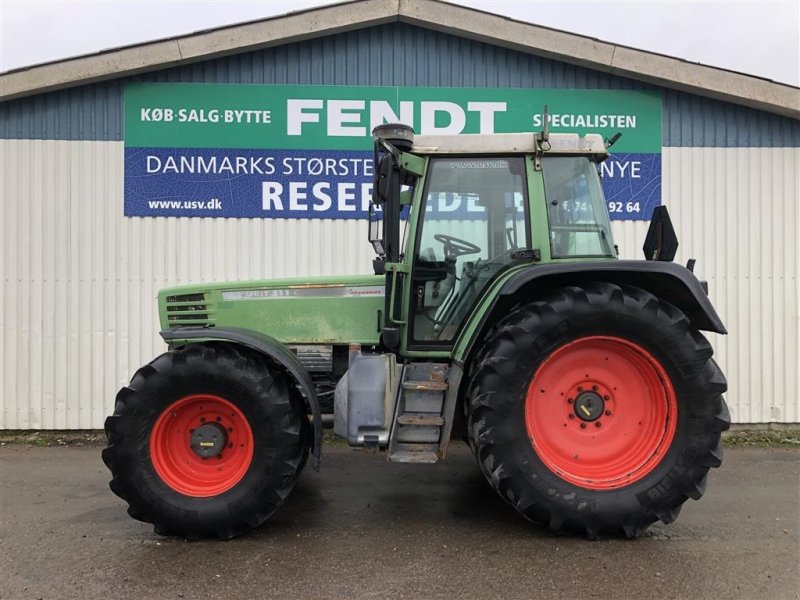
459	211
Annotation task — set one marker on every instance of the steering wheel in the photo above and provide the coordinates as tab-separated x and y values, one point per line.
455	247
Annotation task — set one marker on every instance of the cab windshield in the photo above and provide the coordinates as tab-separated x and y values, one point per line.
473	226
576	208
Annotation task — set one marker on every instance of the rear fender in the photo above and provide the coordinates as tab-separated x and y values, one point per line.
666	280
277	353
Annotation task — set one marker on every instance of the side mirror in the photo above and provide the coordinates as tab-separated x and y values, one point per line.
389	141
386	177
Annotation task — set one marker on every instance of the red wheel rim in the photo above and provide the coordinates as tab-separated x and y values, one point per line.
180	466
601	412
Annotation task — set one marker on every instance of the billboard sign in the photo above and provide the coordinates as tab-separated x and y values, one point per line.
285	151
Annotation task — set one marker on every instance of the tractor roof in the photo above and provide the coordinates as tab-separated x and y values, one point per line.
510	143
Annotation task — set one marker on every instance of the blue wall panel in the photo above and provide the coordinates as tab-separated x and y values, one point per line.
393	54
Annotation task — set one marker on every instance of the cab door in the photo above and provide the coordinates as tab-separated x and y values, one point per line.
472	223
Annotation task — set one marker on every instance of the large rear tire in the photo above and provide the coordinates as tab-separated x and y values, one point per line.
207	439
596	409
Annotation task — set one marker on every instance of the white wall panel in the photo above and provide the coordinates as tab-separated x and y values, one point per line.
79	280
736	211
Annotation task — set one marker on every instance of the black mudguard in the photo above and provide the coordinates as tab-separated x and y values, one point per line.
669	281
273	350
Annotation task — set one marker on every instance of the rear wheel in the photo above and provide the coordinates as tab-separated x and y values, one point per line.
597	409
207	439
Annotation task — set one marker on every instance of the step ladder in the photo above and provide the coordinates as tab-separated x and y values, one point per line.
420	427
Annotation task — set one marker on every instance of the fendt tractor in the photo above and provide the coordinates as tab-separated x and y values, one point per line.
498	313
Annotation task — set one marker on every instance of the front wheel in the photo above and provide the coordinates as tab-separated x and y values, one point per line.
207	439
597	409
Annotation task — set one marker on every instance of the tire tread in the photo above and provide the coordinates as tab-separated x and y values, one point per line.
504	348
125	453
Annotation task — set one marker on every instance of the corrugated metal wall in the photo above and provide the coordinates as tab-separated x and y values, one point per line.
735	210
78	311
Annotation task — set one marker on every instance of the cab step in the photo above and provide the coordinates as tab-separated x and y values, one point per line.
425	386
424	419
415	453
419	418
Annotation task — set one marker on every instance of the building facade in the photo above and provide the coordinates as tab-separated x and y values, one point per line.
78	310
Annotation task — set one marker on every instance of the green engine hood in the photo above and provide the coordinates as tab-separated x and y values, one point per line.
322	310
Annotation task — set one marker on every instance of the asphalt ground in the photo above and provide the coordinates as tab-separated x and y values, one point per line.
365	528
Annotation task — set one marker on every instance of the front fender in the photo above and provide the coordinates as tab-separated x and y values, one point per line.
269	347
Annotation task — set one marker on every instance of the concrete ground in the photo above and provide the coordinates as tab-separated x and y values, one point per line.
363	528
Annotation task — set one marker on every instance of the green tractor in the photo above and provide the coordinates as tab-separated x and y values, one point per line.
498	313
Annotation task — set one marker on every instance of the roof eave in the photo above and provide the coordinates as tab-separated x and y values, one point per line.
196	47
649	67
665	71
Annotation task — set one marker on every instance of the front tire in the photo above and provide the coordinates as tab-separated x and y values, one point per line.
207	439
597	409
